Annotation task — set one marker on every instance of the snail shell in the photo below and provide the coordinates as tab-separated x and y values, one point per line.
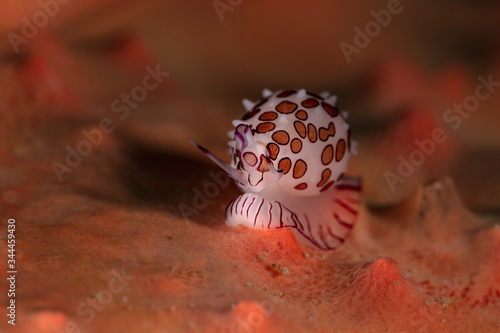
289	155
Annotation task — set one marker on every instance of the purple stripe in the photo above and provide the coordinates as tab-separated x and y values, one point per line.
347	207
281	214
309	237
348	187
231	207
242	206
340	239
270	215
308	225
322	236
258	212
345	224
237	202
296	220
250	205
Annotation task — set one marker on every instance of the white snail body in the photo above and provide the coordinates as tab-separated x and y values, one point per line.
289	154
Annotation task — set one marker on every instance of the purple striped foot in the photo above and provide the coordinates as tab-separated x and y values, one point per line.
324	221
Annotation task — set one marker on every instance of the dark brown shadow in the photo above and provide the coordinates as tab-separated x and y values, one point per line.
179	184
